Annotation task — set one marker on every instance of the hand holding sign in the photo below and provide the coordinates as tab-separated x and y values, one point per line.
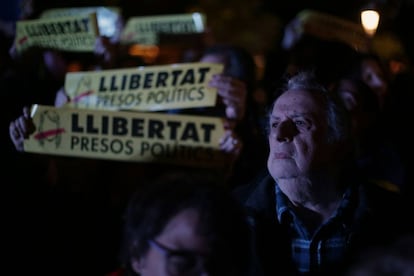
232	93
127	136
21	128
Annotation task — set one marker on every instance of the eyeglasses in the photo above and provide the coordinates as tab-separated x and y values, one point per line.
181	262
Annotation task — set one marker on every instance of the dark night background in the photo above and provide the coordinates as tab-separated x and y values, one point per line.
255	23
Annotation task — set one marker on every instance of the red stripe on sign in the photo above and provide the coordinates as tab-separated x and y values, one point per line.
80	96
23	40
49	133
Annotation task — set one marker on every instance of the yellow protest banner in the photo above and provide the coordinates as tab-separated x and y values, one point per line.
334	28
127	136
147	88
108	17
145	29
73	33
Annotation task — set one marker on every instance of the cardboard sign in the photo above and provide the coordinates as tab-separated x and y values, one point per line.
127	136
148	88
74	33
145	29
107	17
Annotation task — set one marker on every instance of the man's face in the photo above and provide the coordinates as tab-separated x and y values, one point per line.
298	135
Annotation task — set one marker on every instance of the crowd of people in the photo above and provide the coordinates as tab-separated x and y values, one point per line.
318	172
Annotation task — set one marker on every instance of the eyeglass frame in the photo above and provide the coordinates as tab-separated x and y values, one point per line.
198	259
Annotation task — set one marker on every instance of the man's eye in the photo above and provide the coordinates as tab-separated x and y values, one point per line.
274	124
300	123
181	264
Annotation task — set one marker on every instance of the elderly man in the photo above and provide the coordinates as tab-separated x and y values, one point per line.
311	212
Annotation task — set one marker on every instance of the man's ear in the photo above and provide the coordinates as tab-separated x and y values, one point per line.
138	264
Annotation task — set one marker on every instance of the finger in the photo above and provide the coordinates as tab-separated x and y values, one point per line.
26	112
14	133
223	81
233	94
229	142
24	126
224	138
232	113
16	136
232	146
22	122
227	146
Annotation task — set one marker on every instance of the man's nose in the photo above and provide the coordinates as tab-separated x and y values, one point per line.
285	131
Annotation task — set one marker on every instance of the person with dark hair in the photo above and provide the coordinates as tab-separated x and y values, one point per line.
236	87
239	77
371	69
313	211
375	154
184	224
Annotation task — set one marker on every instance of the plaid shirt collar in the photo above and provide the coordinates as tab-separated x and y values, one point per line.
345	211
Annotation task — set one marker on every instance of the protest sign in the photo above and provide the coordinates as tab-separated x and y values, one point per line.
108	17
147	88
145	29
127	136
73	33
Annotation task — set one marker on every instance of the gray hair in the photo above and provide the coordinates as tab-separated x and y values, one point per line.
337	117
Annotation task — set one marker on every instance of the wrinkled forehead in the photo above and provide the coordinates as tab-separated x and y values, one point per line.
299	101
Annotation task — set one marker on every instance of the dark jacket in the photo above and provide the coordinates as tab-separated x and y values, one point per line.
376	220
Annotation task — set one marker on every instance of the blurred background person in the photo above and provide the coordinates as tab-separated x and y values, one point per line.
236	88
375	154
184	224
